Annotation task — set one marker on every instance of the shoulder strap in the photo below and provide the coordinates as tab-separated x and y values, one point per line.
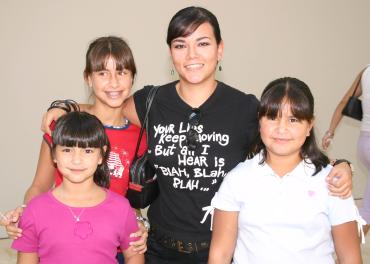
359	80
144	125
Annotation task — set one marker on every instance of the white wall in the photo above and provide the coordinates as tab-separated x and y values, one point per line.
43	43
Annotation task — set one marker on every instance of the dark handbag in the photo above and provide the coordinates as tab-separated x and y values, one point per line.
143	186
353	107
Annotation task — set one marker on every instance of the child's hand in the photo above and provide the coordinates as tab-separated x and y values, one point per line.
340	180
48	117
139	246
11	221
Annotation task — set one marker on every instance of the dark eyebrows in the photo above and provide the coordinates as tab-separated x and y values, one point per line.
202	38
178	40
182	40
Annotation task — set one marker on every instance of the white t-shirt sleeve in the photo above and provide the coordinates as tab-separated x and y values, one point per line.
226	197
342	210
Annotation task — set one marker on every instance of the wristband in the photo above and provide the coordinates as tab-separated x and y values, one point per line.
73	104
144	221
60	107
329	134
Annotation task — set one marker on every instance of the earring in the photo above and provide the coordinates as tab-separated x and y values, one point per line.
219	65
172	72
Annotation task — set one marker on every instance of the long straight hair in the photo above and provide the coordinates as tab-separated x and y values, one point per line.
80	129
298	95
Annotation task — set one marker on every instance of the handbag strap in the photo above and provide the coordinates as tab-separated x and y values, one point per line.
149	101
357	85
359	80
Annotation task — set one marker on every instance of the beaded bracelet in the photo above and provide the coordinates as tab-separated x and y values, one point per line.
144	221
329	134
66	105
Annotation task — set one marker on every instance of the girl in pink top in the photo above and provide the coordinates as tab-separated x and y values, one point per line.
80	221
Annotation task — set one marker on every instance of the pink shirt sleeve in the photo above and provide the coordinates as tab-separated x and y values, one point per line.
29	240
130	226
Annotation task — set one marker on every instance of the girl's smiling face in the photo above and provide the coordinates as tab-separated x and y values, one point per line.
284	135
77	165
111	87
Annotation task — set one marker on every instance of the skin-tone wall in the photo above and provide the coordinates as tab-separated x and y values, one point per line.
43	43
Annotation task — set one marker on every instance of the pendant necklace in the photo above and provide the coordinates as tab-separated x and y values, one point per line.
76	217
82	229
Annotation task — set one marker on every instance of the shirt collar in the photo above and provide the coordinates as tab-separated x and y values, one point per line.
304	169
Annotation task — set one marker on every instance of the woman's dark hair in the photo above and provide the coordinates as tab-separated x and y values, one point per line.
80	129
187	20
298	95
102	48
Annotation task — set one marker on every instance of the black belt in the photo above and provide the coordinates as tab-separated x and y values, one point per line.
183	246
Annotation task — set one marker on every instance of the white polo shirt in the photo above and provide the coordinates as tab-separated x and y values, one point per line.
282	219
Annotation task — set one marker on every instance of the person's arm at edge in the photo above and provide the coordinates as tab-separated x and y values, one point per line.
337	115
224	235
27	258
42	182
347	243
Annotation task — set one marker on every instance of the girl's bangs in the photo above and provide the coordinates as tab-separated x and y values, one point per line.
274	100
79	134
99	63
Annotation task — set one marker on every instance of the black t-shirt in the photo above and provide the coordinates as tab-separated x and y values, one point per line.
189	179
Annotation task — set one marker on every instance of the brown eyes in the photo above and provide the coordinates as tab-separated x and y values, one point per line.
106	74
290	119
182	46
86	150
204	44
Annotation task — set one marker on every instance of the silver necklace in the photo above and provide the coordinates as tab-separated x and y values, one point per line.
76	217
125	124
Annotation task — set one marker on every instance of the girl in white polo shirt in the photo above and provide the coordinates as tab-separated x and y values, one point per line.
275	207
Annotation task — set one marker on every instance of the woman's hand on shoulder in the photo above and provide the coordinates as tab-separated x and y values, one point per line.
340	180
139	245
